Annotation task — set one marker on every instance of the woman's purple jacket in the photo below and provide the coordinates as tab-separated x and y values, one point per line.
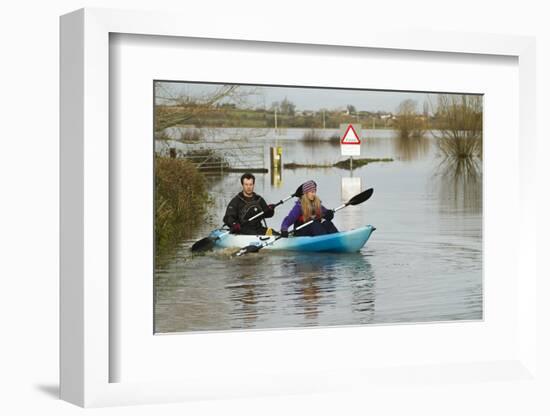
294	214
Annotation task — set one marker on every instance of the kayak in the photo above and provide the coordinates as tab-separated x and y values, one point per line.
341	242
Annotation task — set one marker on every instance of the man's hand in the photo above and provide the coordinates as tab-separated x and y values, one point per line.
236	228
270	211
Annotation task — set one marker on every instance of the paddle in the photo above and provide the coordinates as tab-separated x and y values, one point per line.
356	200
207	243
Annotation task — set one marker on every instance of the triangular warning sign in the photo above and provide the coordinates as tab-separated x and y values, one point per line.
350	136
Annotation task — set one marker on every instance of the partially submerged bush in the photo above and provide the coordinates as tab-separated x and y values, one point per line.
334	140
460	126
407	122
191	136
312	136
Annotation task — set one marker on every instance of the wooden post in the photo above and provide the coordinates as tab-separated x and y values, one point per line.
276	159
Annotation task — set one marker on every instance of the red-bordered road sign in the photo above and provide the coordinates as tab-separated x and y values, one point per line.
350	136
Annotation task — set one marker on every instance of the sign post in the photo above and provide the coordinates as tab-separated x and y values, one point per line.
350	145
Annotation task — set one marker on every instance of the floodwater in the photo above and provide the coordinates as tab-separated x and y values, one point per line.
422	264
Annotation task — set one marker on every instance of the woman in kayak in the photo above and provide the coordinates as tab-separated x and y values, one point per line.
307	208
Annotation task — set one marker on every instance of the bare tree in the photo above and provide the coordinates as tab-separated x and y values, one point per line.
173	109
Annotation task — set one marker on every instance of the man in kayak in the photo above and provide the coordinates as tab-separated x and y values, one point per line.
245	205
307	208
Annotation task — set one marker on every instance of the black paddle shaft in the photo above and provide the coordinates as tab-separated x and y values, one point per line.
298	193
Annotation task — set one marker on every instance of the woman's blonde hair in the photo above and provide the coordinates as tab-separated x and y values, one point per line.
310	208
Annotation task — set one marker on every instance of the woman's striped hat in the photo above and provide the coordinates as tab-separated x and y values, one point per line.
309	186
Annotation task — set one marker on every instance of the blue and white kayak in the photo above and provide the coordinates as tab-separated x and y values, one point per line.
341	242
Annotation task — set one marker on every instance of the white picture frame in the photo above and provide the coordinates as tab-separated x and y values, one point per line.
85	355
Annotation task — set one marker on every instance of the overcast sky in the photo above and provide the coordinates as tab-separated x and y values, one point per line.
308	98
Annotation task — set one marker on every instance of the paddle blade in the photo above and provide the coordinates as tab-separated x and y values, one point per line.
204	244
248	249
360	198
299	192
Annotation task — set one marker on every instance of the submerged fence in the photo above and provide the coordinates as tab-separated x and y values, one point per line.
219	159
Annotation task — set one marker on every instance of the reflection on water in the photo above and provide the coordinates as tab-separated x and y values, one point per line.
411	148
423	263
318	285
245	293
460	183
265	290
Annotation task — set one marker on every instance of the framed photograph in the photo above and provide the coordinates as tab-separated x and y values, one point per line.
283	213
257	159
